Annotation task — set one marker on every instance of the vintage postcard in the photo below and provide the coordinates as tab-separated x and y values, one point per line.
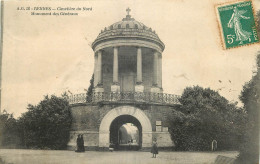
135	82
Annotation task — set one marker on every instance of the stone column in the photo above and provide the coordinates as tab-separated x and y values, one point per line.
139	65
115	87
115	66
155	87
139	79
95	71
99	68
160	71
155	69
99	87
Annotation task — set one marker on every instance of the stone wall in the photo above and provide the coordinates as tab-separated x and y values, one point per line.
163	139
158	113
87	119
90	139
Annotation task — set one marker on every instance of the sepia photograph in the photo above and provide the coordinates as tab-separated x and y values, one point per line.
129	82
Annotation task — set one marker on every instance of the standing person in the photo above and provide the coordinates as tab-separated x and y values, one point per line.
78	144
154	148
82	143
214	145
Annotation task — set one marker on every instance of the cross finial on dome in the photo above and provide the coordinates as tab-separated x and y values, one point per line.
128	17
128	10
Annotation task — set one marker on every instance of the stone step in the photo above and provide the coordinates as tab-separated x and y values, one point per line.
224	160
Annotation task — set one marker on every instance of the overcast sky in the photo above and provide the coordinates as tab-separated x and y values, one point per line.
51	54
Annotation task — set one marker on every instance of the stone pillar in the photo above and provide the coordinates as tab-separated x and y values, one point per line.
147	138
160	71
99	87
104	139
155	88
115	87
155	69
139	79
115	66
139	65
95	71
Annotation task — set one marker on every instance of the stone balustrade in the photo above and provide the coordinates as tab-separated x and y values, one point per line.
142	97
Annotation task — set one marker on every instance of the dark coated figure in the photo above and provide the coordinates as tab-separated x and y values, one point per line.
80	144
154	149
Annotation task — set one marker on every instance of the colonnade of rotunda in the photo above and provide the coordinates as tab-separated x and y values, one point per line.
147	80
128	58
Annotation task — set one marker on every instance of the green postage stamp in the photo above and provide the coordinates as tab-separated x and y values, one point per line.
237	24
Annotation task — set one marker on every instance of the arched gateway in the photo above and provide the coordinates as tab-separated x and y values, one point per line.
127	90
104	129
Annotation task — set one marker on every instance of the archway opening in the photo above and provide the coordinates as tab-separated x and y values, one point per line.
126	133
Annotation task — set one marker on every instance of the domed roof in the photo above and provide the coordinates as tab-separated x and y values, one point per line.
128	28
127	21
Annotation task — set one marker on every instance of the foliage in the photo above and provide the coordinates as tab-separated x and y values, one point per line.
249	152
47	125
90	89
9	130
203	116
